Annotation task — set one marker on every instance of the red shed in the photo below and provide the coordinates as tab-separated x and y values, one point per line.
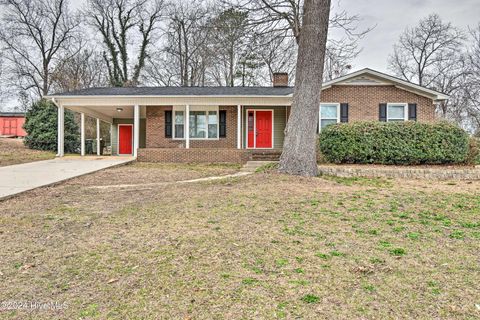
11	124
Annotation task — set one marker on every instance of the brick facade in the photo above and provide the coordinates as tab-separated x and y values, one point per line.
363	101
155	131
195	155
363	105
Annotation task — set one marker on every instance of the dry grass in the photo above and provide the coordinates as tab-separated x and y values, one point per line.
263	246
12	151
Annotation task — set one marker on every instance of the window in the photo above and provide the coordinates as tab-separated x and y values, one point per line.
179	124
329	114
203	122
397	112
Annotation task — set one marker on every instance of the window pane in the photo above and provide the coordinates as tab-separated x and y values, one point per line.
326	122
212	117
328	111
212	124
212	130
396	112
179	131
198	124
178	117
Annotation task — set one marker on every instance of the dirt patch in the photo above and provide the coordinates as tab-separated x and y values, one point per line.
143	173
260	246
13	151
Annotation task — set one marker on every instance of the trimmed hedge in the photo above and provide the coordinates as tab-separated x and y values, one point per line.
406	143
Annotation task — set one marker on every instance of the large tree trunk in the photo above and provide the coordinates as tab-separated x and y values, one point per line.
299	156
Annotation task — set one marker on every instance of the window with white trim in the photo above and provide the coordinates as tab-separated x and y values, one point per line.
329	114
203	122
397	112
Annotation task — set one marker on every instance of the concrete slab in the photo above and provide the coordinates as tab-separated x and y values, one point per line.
19	178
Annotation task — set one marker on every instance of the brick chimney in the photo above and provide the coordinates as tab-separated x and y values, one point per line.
280	79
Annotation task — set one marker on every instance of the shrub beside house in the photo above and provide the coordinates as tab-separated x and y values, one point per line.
401	143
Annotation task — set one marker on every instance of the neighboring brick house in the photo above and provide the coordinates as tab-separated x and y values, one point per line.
233	124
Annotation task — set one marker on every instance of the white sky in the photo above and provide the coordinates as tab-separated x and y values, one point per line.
391	17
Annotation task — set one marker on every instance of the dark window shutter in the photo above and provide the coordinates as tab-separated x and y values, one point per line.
223	124
412	111
168	124
344	112
382	112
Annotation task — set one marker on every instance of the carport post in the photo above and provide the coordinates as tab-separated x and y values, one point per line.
60	130
239	127
136	129
187	126
82	134
98	137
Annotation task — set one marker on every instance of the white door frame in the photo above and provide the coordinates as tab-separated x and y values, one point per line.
118	139
255	127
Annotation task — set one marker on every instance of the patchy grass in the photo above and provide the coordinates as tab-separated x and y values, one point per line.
12	151
260	246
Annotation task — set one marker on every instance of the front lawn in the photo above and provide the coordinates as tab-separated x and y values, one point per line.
12	151
263	246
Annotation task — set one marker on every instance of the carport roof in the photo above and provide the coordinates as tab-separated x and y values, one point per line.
179	91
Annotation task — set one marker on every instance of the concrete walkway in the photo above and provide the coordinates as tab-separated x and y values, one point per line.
19	178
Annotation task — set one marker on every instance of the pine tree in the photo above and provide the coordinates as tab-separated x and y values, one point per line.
41	127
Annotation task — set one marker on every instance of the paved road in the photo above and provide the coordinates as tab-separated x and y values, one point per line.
19	178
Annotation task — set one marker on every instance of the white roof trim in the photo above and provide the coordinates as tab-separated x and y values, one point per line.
401	83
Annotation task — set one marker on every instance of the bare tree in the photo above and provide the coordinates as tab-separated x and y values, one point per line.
34	35
120	23
338	58
229	37
278	54
299	151
422	49
187	36
85	69
282	18
472	90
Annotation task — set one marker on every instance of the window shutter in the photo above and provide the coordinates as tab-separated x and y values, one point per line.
344	112
222	124
168	124
412	111
382	112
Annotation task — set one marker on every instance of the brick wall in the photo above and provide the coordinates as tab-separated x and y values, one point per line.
156	131
364	101
182	155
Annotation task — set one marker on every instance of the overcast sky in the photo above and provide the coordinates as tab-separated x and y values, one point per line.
391	17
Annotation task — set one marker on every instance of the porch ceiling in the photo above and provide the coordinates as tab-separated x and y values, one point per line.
107	113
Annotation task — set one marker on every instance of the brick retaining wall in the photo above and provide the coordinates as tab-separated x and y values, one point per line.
194	155
441	173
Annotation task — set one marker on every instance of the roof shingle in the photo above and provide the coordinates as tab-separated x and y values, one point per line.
180	91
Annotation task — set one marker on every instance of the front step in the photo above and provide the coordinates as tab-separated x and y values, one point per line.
266	155
252	166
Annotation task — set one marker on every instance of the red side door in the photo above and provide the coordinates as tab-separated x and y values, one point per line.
10	127
264	129
125	139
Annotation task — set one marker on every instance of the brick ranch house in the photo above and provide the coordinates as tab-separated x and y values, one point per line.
234	124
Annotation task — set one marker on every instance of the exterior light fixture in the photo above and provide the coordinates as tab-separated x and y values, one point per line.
119	109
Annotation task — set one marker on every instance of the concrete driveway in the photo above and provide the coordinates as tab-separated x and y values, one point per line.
19	178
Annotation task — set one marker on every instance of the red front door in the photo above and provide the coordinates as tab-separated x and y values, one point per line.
125	139
260	129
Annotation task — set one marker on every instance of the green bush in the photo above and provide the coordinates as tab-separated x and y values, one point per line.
473	157
41	127
406	143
